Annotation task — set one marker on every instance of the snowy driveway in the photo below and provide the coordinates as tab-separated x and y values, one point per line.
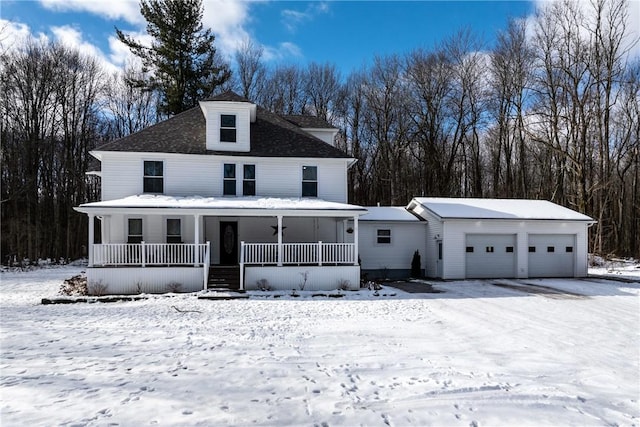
476	354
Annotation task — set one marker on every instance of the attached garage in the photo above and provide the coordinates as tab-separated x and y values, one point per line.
490	255
551	255
502	238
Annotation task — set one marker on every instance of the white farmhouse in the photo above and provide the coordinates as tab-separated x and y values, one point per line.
502	238
226	194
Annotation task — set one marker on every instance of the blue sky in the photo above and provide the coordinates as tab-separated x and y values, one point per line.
346	33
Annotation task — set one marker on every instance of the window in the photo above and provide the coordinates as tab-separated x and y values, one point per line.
309	181
384	236
134	230
551	249
469	249
174	231
227	128
568	249
439	250
532	249
229	180
509	249
489	249
249	181
153	181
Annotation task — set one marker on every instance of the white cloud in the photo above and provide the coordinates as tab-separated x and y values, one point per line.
292	19
632	39
227	18
282	51
129	10
71	37
13	33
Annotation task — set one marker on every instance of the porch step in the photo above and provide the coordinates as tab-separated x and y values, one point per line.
224	277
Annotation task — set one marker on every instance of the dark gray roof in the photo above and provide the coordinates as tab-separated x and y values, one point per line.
184	133
308	121
227	96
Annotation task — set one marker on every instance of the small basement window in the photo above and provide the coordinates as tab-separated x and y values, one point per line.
227	128
551	249
568	249
174	230
153	180
532	249
469	249
384	236
489	249
509	249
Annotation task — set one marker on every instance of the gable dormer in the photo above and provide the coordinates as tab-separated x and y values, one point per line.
228	120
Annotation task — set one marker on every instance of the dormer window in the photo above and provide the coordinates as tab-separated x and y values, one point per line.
227	128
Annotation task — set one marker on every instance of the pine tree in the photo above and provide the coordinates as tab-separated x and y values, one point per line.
182	61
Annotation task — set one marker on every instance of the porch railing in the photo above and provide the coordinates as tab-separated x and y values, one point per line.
150	254
298	253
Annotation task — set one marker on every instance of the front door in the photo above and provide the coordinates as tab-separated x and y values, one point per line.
228	243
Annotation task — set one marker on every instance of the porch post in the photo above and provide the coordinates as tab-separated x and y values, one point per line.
279	240
91	239
355	240
196	240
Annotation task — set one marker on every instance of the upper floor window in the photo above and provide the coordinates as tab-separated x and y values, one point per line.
309	181
134	233
249	181
229	188
227	128
153	181
174	230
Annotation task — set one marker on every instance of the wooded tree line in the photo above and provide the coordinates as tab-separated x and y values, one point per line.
551	111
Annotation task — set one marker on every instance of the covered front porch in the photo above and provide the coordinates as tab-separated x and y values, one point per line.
155	243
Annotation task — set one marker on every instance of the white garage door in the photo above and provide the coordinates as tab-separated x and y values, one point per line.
490	256
551	255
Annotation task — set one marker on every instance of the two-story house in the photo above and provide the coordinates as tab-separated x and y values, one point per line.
224	194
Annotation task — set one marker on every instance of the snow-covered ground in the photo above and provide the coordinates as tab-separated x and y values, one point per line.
476	354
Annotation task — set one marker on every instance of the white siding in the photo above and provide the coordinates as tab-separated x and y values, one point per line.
406	238
455	232
241	110
318	278
154	228
135	280
327	135
202	175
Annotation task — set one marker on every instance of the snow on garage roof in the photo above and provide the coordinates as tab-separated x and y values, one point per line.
453	208
388	213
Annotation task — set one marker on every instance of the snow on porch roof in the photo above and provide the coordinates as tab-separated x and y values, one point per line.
157	201
452	208
388	213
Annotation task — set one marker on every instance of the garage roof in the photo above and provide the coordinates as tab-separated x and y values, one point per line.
461	208
388	213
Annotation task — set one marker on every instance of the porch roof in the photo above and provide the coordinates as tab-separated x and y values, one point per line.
223	206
